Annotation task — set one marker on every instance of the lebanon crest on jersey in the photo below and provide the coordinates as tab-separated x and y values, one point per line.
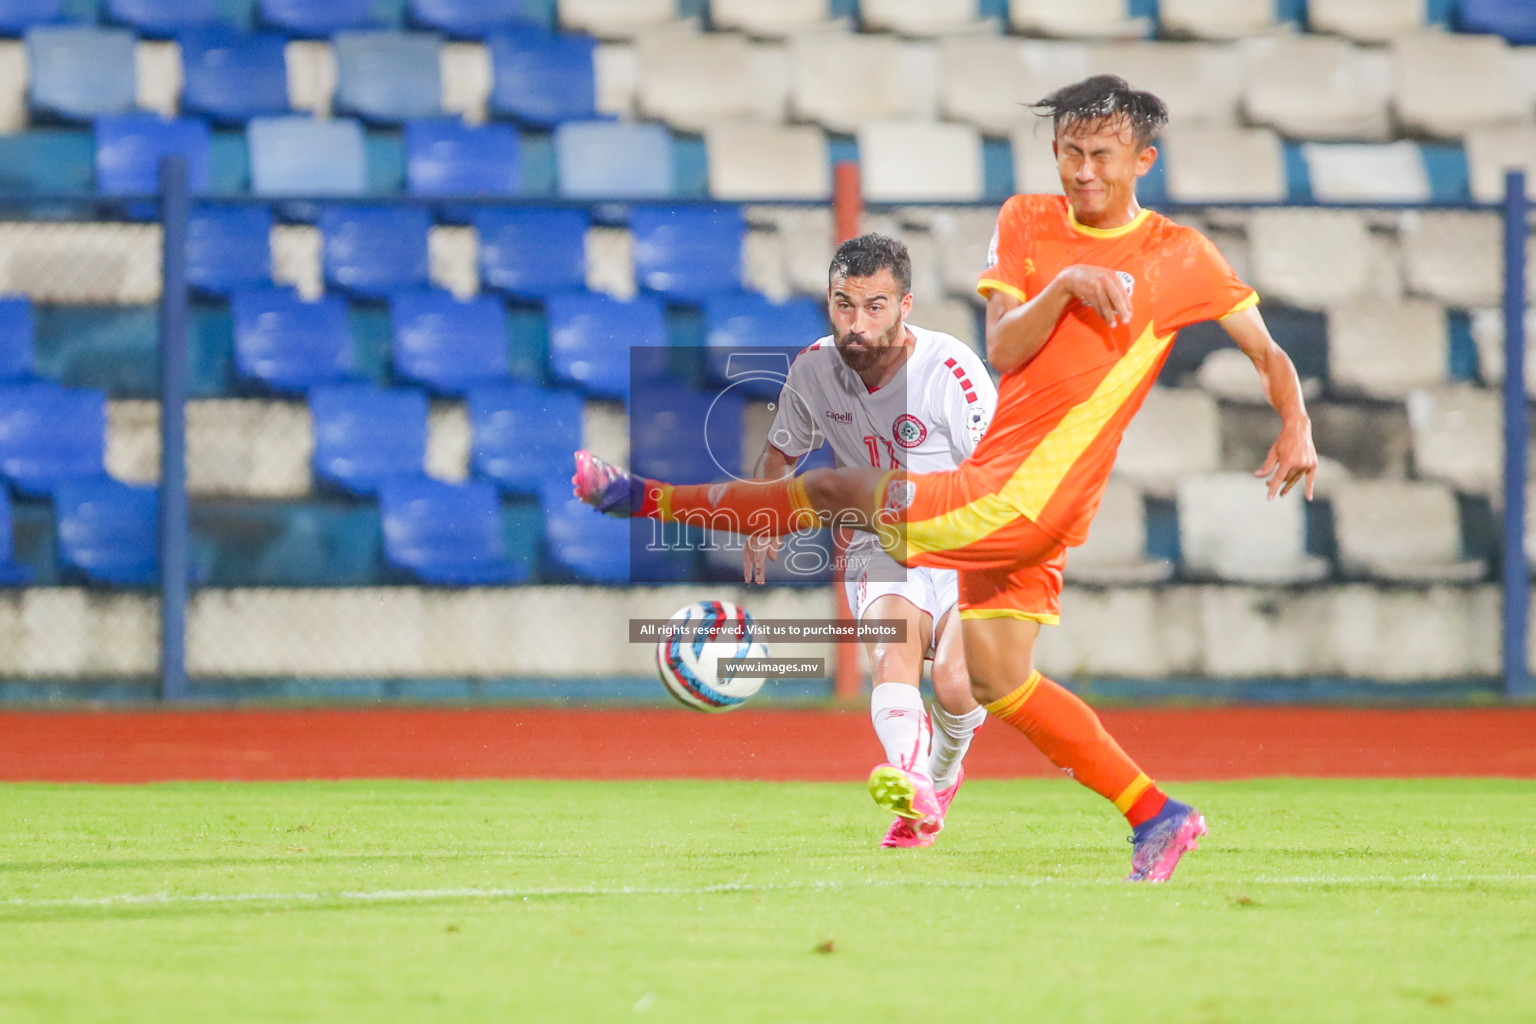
909	431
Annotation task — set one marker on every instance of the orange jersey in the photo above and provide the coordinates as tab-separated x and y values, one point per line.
1060	417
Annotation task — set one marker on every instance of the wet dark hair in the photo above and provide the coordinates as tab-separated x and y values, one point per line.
867	255
1104	99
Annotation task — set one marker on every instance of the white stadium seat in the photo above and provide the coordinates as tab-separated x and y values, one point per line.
897	80
1034	166
1223	164
1448	84
1314	87
1116	550
776	19
1403	633
616	19
1229	530
616	78
1126	632
1344	172
1177	432
157	67
748	160
1493	152
1201	83
963	238
1229	375
1379	348
1488	336
1311	258
468	79
1078	19
1457	435
1367	21
1216	19
1401	530
1454	256
919	161
1252	631
692	80
922	17
987	81
13	86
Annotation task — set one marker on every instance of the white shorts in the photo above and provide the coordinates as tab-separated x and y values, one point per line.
872	576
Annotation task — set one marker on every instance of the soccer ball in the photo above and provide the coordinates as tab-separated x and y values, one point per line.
702	634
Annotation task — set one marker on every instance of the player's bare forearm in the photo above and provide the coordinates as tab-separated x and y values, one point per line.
772	464
1017	331
1293	457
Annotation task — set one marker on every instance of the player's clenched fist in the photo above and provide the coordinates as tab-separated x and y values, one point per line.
1098	288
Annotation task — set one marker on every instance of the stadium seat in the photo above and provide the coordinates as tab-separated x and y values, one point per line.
585	548
1115	553
906	161
1447	84
446	534
899	80
529	252
616	19
983	78
1379	21
232	76
49	434
542	78
748	320
288	344
1223	164
922	17
372	251
683	253
18	337
605	159
80	72
1176	433
1400	531
1492	152
229	247
694	81
365	436
12	574
446	157
1385	348
1202	83
1229	530
16	16
1367	172
304	156
747	161
107	530
595	340
1034	166
1456	435
1310	258
161	17
445	343
1516	22
1488	337
388	77
1454	256
682	435
1078	19
468	19
1217	19
779	19
129	148
1313	87
524	435
315	18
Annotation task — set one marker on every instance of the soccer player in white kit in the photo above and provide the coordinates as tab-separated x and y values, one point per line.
885	393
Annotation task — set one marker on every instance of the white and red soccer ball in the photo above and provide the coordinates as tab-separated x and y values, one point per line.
688	659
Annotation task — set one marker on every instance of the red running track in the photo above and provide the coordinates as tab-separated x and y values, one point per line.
548	743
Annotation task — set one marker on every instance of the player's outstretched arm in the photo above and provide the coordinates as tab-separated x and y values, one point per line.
771	465
1293	457
1017	331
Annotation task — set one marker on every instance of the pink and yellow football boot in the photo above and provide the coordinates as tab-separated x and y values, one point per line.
911	798
903	834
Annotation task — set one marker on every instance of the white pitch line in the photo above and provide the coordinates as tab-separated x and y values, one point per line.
407	895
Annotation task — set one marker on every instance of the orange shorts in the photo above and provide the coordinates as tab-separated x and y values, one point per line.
1008	566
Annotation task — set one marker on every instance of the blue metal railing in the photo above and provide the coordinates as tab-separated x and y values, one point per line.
1516	577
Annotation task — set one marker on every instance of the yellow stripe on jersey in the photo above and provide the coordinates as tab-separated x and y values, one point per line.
987	285
1248	303
1037	477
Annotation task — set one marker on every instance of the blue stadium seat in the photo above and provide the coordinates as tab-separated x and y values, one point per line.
467	19
375	250
448	534
388	77
49	160
749	320
19	15
289	344
129	148
11	573
609	159
445	343
529	252
303	156
365	436
682	435
525	435
595	341
684	253
315	17
1516	22
542	78
18	337
162	17
49	434
107	530
232	76
229	247
446	157
585	547
79	72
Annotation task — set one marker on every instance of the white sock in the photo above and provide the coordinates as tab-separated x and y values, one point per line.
951	739
901	725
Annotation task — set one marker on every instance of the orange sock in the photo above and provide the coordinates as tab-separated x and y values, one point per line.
1068	732
749	507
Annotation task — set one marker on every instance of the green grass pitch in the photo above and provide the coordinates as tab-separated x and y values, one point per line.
726	902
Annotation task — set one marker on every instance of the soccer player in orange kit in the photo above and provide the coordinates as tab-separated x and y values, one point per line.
1085	293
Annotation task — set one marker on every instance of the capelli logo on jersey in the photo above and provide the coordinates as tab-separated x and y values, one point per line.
845	418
